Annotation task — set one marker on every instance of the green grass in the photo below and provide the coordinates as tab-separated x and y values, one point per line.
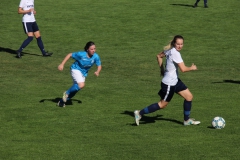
99	123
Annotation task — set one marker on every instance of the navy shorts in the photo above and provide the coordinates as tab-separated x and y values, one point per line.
30	27
166	92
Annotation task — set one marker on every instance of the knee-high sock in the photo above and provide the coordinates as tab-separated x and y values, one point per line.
40	45
197	2
25	43
72	91
187	105
72	94
205	2
152	108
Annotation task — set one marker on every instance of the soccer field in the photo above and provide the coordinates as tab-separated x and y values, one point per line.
98	123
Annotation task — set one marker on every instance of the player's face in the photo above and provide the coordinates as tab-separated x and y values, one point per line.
179	44
91	50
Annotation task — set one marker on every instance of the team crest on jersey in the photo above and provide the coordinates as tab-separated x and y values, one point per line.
30	6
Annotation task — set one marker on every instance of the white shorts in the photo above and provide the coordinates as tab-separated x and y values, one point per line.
77	76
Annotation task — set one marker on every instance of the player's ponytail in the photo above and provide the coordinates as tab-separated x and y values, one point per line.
172	42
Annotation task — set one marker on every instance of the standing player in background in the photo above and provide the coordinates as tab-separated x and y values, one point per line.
171	83
84	60
196	4
26	7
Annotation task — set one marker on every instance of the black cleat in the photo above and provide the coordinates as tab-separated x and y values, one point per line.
205	6
19	54
47	54
61	104
195	5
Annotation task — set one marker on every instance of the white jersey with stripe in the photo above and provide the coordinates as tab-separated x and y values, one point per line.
26	5
173	57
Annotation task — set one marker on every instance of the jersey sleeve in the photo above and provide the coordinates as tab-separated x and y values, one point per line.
75	55
21	5
177	58
97	60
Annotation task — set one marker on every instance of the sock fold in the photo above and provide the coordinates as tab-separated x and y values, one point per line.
187	105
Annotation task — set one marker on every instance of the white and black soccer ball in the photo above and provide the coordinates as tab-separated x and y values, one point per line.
218	122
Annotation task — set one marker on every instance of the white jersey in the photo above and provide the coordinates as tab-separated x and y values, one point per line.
26	5
173	57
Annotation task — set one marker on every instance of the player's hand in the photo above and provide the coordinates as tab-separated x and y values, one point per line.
193	67
96	73
160	55
31	10
60	67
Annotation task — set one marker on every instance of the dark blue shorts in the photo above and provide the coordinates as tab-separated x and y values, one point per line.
166	92
30	27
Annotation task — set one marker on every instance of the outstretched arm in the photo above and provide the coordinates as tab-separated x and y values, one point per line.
160	62
99	68
61	66
184	68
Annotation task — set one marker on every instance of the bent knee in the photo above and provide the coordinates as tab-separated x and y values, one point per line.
81	85
162	104
189	97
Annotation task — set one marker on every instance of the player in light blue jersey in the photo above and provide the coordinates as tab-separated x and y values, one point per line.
84	60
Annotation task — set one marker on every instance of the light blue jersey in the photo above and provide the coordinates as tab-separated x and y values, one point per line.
83	63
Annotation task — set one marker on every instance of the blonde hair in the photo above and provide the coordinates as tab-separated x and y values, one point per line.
172	42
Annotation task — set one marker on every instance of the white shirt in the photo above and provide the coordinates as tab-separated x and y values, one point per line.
26	5
173	57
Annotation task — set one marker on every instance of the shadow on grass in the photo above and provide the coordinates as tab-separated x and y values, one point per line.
183	5
228	81
210	127
146	119
56	100
11	51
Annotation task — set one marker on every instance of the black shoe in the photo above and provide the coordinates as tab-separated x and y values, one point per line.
195	5
47	54
19	55
61	104
205	6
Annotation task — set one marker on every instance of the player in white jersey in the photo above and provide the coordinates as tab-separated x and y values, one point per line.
26	7
84	60
171	83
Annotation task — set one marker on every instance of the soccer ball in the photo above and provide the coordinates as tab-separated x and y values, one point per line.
218	122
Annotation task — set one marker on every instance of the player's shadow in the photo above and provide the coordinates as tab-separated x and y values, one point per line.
56	100
228	81
11	51
183	5
146	119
